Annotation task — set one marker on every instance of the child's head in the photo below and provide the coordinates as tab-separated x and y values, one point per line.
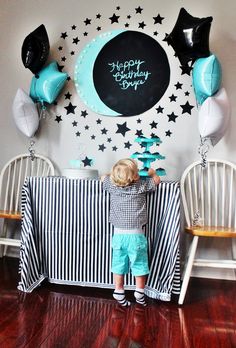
124	172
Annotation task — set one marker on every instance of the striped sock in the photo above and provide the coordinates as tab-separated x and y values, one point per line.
119	295
140	297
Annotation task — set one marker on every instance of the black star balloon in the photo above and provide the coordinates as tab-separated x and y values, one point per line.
35	49
190	37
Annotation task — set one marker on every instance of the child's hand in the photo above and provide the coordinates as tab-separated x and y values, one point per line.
102	177
152	174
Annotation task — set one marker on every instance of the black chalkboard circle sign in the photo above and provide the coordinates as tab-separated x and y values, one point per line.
131	73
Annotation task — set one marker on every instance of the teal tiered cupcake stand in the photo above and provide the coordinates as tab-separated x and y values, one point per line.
146	157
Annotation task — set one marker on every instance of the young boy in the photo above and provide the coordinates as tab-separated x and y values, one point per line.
128	215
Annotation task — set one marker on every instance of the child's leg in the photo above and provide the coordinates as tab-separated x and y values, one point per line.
119	293
139	291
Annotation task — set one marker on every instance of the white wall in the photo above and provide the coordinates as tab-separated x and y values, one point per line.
58	140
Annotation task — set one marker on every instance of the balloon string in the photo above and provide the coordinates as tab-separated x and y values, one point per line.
31	150
203	151
43	112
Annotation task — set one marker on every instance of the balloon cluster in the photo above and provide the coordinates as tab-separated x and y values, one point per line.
190	41
46	83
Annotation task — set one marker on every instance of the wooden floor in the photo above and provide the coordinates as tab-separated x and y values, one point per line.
71	316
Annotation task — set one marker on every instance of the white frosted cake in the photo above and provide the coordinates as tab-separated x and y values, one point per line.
80	173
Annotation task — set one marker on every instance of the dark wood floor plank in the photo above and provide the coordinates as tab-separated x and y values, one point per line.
69	316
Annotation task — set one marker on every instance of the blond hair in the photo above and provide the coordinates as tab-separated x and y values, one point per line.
124	172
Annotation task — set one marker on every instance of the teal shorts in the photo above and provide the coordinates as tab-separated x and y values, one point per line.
129	251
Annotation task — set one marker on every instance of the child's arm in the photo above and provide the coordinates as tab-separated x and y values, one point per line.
154	176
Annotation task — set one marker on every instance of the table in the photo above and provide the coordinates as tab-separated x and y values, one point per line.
66	236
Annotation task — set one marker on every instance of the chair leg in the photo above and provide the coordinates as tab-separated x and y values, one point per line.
233	246
188	269
3	248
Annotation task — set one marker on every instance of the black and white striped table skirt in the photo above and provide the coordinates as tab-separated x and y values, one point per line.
66	236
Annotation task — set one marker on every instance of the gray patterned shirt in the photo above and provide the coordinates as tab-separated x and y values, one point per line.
128	207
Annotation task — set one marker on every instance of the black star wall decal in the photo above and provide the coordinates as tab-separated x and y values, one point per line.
76	40
87	21
68	95
122	128
83	113
158	19
139	133
153	124
87	162
178	85
168	133
70	109
58	119
142	25
159	110
186	108
127	145
139	10
101	147
64	35
114	18
173	98
104	131
172	117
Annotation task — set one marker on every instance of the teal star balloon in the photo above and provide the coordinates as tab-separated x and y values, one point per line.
47	84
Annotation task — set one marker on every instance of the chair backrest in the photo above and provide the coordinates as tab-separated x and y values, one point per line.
210	193
13	175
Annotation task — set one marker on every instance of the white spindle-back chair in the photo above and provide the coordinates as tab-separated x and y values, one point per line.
12	178
209	203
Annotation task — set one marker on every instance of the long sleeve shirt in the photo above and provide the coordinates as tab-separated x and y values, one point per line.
128	207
